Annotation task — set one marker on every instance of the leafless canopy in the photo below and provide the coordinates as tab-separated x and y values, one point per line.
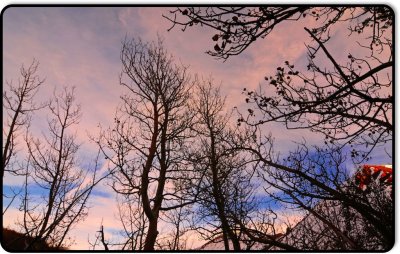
350	102
52	168
238	27
18	104
145	145
224	180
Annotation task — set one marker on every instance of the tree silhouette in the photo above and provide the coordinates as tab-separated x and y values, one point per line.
348	102
52	167
145	146
236	27
19	105
179	219
239	27
316	180
225	190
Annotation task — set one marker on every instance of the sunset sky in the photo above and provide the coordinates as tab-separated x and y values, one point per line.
81	47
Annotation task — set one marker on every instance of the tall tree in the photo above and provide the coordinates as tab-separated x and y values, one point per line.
150	130
225	189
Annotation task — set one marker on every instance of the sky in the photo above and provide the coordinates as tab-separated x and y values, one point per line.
81	47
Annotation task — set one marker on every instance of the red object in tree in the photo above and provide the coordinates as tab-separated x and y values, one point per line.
369	173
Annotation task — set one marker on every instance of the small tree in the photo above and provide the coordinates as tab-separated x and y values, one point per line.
52	168
18	105
134	226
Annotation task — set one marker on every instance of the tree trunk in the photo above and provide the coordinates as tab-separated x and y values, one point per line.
151	234
219	198
234	239
225	237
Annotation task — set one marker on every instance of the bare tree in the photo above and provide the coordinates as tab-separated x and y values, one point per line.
238	27
151	126
349	102
225	189
18	105
316	180
15	194
52	170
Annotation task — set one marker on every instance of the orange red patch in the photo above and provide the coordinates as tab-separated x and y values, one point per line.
369	173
